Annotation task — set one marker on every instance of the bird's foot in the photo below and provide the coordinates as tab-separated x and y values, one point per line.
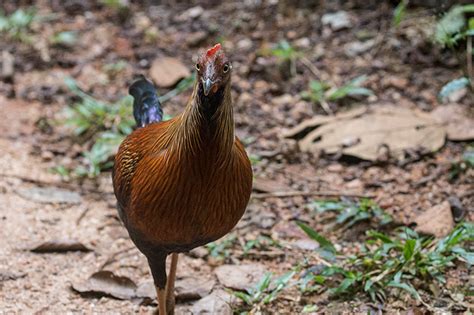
170	303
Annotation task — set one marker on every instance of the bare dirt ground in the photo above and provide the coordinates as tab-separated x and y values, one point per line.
37	205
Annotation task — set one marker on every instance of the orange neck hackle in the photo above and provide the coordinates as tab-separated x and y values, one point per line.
194	134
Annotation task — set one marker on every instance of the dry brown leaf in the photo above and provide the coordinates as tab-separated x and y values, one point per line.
218	302
6	275
193	288
49	195
320	120
105	283
167	71
60	246
240	277
457	120
366	134
437	220
187	288
269	185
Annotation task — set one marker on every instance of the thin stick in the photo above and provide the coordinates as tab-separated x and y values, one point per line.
469	61
324	262
285	194
433	176
64	185
82	215
316	73
311	67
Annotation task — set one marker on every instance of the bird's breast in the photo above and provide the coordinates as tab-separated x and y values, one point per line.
188	203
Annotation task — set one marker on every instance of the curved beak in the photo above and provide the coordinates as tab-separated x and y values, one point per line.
207	85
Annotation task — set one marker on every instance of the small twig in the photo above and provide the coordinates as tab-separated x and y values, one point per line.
82	215
317	74
326	107
64	185
324	262
28	179
470	72
433	176
285	194
311	67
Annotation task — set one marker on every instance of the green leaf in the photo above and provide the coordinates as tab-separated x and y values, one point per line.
409	249
449	27
327	205
399	12
471	24
323	242
319	279
453	86
407	287
316	91
350	89
283	280
468	256
3	23
368	285
284	50
310	308
21	18
65	38
357	81
384	238
344	286
355	91
468	157
244	297
264	282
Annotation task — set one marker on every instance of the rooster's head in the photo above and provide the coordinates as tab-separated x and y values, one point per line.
213	70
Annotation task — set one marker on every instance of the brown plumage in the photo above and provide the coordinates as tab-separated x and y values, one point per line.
187	181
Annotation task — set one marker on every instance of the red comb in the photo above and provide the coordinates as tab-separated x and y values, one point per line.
211	51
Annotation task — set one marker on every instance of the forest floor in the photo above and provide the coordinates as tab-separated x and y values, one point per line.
58	229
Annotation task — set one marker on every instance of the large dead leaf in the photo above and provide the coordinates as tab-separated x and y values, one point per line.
167	71
6	274
268	185
193	288
369	133
60	246
105	283
321	120
240	277
49	195
188	288
437	220
457	120
218	302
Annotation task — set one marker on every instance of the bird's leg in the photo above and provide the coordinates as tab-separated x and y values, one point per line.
170	301
157	264
161	294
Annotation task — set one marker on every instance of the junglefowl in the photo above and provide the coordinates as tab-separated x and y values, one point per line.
184	182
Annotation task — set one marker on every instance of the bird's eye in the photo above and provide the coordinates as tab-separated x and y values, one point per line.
226	68
198	67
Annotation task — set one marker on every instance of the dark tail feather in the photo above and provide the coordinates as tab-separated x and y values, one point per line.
146	105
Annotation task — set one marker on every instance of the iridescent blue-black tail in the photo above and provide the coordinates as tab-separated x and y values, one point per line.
146	105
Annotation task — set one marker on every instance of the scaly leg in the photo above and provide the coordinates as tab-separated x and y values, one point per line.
161	293
170	302
157	263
